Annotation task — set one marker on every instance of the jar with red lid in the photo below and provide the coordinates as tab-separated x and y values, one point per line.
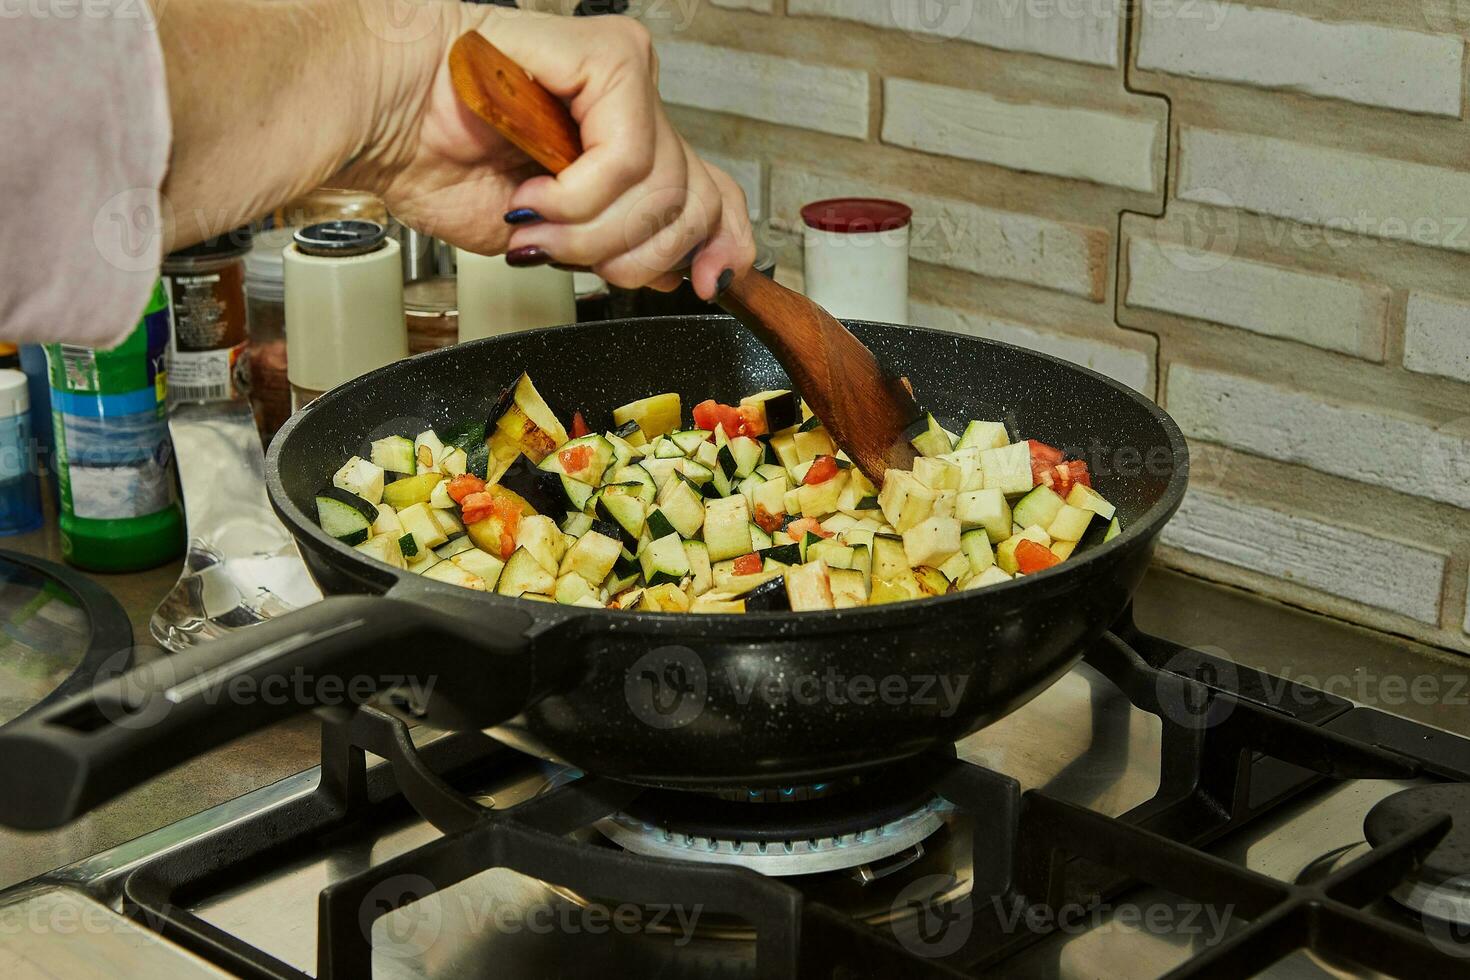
857	257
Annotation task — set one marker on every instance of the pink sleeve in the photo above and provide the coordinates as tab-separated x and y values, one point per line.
85	129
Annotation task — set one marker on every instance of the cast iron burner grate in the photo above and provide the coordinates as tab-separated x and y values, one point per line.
1253	754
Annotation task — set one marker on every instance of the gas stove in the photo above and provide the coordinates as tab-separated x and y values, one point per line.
1159	811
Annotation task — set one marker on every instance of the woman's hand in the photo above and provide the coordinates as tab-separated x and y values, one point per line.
633	207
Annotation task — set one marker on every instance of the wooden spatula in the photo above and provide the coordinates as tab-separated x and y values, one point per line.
866	409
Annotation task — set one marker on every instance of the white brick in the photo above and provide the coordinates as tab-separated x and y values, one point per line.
1467	610
1348	192
1084	144
1350	441
1365	568
762	86
1437	336
1003	244
746	173
1132	367
1324	311
760	6
1363	63
1086	32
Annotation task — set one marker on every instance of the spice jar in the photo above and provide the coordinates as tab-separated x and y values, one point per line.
431	313
205	288
344	306
265	357
857	257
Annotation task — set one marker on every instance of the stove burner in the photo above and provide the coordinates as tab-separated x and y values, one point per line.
1441	888
809	830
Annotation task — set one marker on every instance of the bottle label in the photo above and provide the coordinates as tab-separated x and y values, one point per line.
207	336
113	455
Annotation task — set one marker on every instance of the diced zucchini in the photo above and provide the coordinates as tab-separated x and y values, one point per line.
639	473
693	471
654	415
584	459
523	574
985	435
1063	549
689	440
849	588
422	562
361	477
714	603
453	574
834	553
439	497
344	515
540	536
975	545
820	499
448	521
571	588
1086	498
1007	469
394	454
905	501
1040	507
658	525
759	539
1069	524
931	542
727	528
419	521
934	440
808	587
456	462
702	579
889	559
408	547
682	507
387	522
811	443
783	444
576	524
990	576
985	509
936	474
956	566
625	508
411	490
592	557
384	547
664	560
781	554
428	451
706	454
664	598
1113	530
454	546
479	563
900	588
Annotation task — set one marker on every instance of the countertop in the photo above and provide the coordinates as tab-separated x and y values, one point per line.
1252	630
245	764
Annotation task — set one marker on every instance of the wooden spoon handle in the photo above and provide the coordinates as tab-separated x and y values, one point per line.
500	92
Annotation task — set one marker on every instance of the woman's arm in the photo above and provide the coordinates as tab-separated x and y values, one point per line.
270	98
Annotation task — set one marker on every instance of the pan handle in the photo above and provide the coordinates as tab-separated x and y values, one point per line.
68	757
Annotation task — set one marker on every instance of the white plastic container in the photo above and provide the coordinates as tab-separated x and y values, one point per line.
496	299
344	305
857	257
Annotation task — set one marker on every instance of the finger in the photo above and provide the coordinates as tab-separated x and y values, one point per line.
731	245
671	248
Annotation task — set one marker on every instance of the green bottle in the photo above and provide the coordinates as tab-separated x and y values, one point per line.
114	463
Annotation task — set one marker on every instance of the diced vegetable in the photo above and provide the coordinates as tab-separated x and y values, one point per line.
985	435
934	440
383	547
479	563
419	521
394	454
654	415
1040	506
345	516
592	557
1089	499
1069	524
410	490
985	509
1007	469
808	587
1032	557
772	411
932	541
523	574
361	477
727	528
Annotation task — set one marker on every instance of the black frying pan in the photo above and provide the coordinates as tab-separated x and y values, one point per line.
680	700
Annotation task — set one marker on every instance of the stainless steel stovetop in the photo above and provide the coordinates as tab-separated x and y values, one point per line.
1081	743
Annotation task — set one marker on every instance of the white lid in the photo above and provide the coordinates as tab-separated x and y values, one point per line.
15	393
264	264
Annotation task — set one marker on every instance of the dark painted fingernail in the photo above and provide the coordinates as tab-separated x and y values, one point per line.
521	216
723	283
526	255
571	268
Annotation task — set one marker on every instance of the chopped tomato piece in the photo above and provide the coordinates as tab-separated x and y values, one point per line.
1041	451
709	414
503	513
575	459
823	468
1032	557
463	485
747	564
1069	474
799	529
766	521
579	425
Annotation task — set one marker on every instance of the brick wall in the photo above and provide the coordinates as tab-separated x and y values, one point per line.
1257	214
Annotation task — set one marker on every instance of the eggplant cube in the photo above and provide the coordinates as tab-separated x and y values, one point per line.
809	587
905	501
592	557
361	477
932	542
539	535
1008	469
985	508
